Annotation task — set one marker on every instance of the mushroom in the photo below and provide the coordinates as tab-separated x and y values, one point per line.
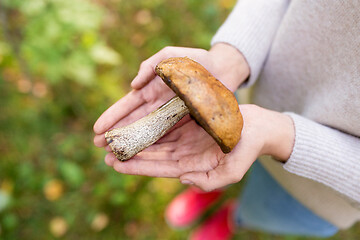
209	102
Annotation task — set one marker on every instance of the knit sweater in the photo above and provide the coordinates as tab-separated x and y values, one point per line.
304	58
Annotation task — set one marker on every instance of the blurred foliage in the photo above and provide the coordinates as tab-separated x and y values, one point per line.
62	63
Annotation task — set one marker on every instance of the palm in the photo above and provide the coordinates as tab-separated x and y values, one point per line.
186	149
189	153
188	141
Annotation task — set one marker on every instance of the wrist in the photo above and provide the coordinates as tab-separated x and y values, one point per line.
280	139
231	63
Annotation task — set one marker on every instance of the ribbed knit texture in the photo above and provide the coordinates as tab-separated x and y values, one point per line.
304	59
258	21
317	147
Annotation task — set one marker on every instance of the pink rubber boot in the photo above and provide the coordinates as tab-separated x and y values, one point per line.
189	205
219	226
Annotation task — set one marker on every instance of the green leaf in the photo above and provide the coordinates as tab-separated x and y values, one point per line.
32	7
10	221
118	198
103	54
80	14
72	173
80	68
4	49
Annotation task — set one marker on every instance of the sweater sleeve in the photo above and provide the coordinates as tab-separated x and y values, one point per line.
326	155
251	27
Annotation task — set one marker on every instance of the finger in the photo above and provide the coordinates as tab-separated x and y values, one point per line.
151	168
147	68
187	155
228	171
200	161
118	110
185	162
165	151
107	148
161	147
110	159
210	180
160	156
153	96
141	111
146	74
99	140
135	115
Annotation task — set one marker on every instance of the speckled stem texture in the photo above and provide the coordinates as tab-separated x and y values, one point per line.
127	141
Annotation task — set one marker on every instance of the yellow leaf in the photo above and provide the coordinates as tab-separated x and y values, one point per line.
143	17
165	185
100	221
53	190
7	186
58	226
138	39
39	90
227	4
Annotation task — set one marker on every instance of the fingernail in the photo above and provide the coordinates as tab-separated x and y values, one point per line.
187	182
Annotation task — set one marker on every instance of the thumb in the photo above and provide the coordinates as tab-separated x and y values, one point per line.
211	180
230	170
147	68
146	74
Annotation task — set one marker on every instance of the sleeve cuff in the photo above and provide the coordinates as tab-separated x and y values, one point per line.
250	28
326	155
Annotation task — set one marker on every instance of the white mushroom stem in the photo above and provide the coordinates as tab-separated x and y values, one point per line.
127	141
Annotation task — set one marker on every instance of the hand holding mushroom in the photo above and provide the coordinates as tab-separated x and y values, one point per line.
226	63
190	153
212	105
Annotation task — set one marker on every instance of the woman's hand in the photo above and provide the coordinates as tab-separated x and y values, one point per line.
190	154
224	61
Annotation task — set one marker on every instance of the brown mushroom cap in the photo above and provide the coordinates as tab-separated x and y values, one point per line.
212	105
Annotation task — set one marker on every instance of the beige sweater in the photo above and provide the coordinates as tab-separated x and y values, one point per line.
304	57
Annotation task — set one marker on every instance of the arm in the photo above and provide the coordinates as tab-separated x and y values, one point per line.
326	155
250	28
320	153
